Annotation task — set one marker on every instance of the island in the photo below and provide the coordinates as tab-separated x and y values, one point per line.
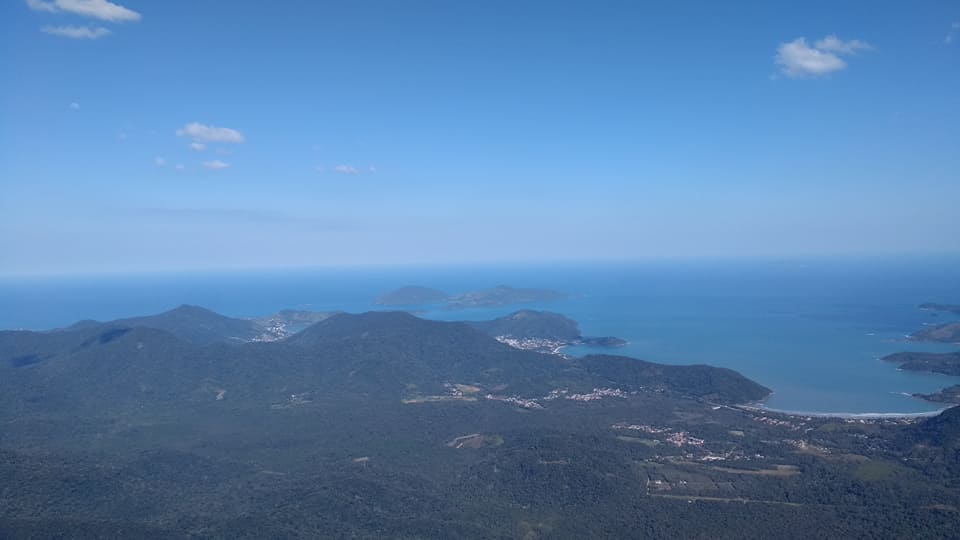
945	363
503	295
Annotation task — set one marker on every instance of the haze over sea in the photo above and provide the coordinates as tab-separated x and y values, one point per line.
812	330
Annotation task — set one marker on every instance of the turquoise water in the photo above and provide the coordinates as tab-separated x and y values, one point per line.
810	330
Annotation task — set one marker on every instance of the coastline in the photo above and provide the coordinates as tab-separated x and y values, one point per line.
848	415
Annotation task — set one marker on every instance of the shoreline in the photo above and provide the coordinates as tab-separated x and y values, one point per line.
847	415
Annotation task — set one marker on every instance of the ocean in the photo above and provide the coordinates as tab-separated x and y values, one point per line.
811	330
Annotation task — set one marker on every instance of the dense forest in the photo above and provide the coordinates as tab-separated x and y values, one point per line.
387	425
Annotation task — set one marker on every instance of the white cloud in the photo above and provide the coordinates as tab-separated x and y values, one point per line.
198	146
834	44
952	34
76	32
159	161
346	169
179	167
202	133
372	169
215	164
798	59
321	168
75	106
39	5
96	9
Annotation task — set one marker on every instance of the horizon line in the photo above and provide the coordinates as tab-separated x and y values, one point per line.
798	258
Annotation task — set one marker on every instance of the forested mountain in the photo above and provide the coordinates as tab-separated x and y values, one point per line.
384	354
528	323
386	425
190	323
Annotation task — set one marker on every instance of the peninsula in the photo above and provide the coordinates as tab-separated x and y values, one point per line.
945	363
541	331
951	394
943	333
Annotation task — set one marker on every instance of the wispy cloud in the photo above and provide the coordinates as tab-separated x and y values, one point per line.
797	59
96	9
38	5
346	169
952	33
76	32
198	146
202	133
834	44
216	164
74	106
159	161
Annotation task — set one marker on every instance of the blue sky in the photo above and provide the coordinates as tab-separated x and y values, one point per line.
143	135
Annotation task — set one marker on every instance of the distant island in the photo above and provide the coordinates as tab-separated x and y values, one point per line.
541	331
501	295
945	363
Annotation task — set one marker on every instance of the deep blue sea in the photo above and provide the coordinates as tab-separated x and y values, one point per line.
812	330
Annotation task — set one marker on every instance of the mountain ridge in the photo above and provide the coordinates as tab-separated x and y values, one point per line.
374	353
